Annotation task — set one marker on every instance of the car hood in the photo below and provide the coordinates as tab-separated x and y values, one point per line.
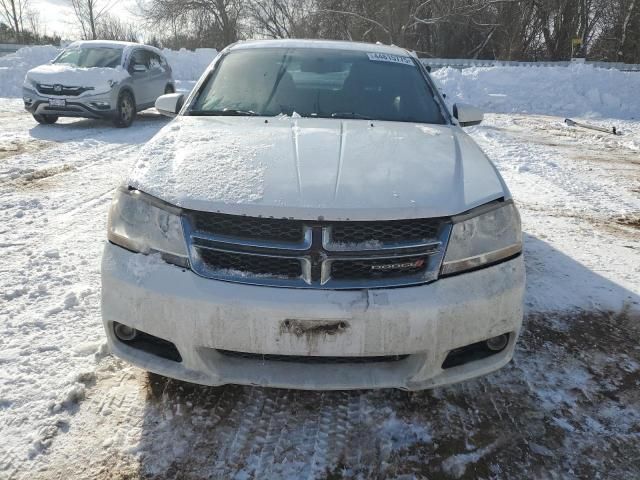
308	168
72	76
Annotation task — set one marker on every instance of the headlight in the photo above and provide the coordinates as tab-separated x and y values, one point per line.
143	224
31	83
485	236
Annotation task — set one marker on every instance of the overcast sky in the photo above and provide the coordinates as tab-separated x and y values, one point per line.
56	16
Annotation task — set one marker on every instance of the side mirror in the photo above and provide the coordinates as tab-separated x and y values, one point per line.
170	104
138	67
467	115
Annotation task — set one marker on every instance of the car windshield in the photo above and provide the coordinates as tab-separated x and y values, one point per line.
89	57
318	82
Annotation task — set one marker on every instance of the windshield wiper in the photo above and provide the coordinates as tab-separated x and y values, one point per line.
230	112
351	115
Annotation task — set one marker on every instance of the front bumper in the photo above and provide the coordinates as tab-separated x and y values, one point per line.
202	316
81	106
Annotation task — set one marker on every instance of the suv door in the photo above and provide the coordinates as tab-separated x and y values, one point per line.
157	75
140	79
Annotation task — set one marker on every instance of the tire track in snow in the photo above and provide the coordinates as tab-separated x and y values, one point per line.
269	433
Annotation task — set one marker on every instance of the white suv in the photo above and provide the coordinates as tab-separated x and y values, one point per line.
98	79
314	218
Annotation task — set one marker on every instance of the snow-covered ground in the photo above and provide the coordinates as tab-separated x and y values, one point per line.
568	406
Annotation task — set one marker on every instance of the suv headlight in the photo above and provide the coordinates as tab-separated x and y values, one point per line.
144	224
484	236
30	82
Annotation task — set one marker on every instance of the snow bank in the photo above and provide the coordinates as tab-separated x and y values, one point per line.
187	66
14	67
577	90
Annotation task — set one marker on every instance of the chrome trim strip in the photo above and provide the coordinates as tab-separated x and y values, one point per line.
262	244
421	278
329	246
435	248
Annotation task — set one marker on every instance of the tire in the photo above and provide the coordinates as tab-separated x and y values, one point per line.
45	119
169	89
125	110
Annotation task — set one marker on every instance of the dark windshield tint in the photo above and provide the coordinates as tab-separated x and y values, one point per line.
314	82
89	57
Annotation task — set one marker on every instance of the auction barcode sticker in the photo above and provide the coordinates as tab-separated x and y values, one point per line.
386	57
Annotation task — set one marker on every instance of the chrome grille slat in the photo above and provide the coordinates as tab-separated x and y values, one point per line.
62	90
310	261
256	244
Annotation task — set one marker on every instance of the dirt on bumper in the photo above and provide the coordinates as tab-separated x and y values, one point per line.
203	317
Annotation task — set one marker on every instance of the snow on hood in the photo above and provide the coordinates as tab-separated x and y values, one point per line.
316	168
70	75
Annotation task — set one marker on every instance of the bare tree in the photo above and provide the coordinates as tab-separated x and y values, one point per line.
281	18
218	21
89	13
33	23
12	13
631	11
501	29
112	28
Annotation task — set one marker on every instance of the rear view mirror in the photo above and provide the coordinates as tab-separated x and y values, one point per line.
467	115
138	67
170	104
320	65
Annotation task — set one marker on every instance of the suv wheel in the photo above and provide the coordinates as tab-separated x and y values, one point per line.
45	119
125	111
169	89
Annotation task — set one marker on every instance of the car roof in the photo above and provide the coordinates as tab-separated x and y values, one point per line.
334	44
111	43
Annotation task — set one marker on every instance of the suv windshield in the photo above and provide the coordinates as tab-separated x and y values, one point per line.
89	57
322	83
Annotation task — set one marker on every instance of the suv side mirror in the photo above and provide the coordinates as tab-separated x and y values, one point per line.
138	67
467	115
170	104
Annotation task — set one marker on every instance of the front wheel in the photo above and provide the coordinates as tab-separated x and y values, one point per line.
125	111
45	119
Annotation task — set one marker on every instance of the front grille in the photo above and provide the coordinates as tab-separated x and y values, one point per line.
312	359
62	90
248	227
315	254
392	231
255	264
378	268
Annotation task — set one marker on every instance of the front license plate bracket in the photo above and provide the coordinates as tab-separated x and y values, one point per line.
57	102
